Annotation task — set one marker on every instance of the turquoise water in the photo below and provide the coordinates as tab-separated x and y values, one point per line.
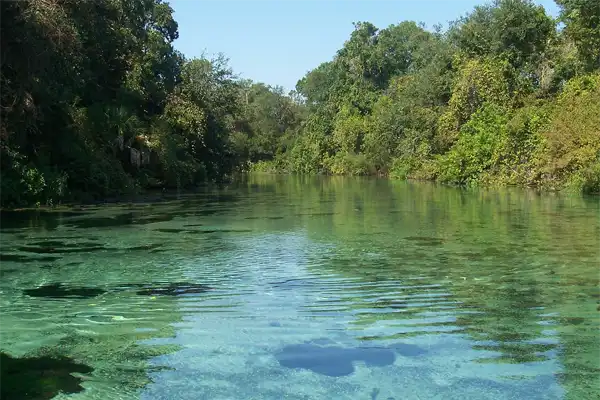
305	288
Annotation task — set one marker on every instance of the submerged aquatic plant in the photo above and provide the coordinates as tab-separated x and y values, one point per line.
39	378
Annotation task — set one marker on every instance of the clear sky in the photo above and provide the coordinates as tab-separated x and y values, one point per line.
278	41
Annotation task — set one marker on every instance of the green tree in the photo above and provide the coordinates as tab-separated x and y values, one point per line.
517	30
582	25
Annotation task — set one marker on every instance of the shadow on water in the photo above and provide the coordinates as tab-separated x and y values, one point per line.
61	291
64	249
322	356
39	378
201	231
425	241
20	258
57	247
171	230
4	271
40	219
265	218
150	246
129	218
173	289
79	217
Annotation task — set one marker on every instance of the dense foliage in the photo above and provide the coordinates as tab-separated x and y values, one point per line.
96	103
507	95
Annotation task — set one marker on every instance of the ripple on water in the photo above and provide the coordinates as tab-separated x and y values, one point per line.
309	292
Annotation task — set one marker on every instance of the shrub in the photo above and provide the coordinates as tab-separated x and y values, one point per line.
572	139
478	149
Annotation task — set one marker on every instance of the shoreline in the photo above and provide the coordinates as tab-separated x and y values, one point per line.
157	195
147	196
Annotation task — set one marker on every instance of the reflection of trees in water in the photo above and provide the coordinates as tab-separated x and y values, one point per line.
508	318
517	270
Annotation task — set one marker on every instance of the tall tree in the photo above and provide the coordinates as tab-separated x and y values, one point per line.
582	25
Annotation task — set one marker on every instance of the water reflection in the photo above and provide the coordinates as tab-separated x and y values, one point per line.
323	357
314	288
507	269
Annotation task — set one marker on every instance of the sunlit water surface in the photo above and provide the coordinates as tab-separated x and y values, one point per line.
298	288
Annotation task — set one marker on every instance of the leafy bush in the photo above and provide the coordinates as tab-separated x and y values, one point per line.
572	139
23	184
523	146
478	149
307	154
265	166
348	164
586	180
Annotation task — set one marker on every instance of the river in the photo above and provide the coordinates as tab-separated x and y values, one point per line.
280	287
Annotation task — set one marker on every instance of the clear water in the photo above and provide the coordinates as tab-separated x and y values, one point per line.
311	288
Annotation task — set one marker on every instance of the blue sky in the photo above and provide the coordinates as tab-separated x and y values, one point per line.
278	41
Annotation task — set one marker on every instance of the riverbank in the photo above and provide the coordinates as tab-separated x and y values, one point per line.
474	105
587	182
154	196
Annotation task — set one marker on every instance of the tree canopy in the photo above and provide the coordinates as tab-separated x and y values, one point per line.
480	103
96	102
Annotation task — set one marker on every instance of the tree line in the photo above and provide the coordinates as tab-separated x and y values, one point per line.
506	95
96	102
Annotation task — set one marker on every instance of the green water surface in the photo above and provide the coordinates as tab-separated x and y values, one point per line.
305	288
